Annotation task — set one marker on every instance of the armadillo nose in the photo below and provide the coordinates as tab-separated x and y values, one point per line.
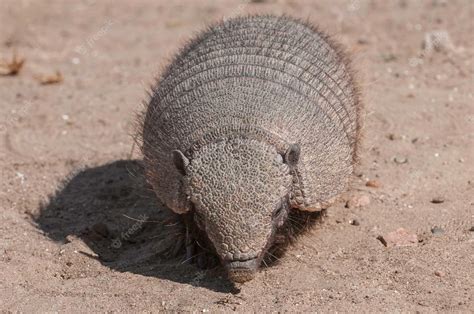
241	276
242	271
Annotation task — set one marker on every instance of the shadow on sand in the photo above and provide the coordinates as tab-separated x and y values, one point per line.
114	211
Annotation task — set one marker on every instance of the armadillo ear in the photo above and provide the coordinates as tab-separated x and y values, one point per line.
292	155
180	161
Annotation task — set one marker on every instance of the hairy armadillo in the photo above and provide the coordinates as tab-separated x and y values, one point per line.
255	119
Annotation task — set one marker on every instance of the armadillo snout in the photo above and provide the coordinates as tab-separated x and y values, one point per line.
242	271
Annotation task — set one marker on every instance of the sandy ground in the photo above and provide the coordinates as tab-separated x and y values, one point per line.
71	188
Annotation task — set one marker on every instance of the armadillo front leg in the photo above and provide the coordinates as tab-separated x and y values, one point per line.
197	252
189	243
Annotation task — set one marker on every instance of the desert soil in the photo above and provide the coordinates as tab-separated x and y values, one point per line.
73	199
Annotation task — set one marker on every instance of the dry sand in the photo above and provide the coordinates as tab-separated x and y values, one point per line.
69	184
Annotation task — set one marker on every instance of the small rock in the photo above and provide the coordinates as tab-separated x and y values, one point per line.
437	230
400	160
354	222
437	200
393	137
373	183
70	238
358	201
439	273
438	41
471	229
400	237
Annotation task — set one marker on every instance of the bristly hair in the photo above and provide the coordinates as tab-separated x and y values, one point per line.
297	224
356	92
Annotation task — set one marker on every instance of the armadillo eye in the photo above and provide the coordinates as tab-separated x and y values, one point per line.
292	155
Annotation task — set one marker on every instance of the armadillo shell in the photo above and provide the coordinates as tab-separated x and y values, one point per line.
274	79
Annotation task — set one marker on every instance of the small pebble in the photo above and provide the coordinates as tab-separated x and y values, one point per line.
354	222
471	229
437	230
437	200
400	160
439	273
393	137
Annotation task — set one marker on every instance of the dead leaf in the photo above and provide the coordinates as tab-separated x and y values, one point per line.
11	67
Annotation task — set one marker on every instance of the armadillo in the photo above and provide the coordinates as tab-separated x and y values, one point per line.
256	118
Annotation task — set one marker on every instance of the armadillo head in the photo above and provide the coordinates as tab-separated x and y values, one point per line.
239	190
